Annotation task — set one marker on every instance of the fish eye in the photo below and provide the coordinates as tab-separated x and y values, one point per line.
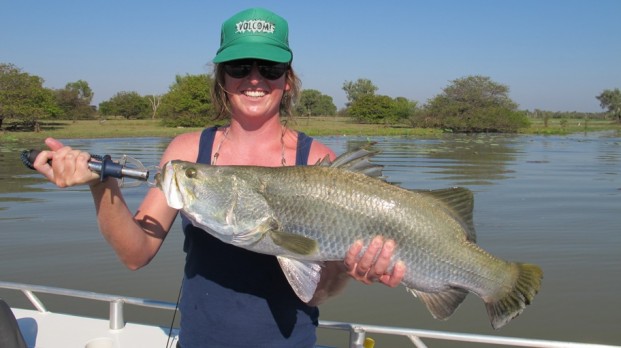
190	173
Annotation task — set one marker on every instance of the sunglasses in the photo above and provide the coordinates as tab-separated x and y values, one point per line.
241	68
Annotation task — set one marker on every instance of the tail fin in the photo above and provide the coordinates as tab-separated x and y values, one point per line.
512	304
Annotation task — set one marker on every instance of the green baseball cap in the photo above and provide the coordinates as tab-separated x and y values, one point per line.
255	33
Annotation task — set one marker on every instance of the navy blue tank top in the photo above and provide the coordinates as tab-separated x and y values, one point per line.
233	297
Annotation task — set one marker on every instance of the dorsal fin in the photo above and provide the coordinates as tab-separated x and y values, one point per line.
355	161
460	201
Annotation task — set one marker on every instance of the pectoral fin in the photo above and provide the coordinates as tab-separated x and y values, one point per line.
303	276
293	242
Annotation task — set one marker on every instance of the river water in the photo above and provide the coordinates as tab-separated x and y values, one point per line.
550	200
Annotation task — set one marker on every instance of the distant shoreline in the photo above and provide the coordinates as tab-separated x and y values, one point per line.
316	126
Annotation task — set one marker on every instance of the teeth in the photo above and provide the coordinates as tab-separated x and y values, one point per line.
255	94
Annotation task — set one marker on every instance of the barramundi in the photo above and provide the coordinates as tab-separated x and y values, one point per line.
306	215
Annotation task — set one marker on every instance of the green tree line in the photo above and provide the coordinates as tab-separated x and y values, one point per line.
467	104
23	97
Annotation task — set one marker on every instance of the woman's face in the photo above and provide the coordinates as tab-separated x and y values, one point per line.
254	95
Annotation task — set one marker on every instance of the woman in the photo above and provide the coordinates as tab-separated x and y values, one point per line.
231	296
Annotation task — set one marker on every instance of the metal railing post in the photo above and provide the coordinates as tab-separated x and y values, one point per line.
34	300
356	337
117	321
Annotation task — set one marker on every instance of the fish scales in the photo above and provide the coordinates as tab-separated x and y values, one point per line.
309	214
338	210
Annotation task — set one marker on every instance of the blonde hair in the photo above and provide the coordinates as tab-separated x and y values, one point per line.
221	103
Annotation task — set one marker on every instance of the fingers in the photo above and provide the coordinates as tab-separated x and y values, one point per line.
384	258
374	263
63	165
366	263
395	277
351	259
70	167
53	144
43	161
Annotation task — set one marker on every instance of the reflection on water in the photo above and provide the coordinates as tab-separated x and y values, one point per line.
14	177
554	201
462	159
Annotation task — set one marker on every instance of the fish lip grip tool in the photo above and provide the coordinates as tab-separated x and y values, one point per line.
126	167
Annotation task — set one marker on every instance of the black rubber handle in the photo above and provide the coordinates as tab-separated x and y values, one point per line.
29	156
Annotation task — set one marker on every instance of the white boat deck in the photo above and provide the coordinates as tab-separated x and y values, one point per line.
44	329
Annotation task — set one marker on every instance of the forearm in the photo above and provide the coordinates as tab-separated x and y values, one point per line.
134	240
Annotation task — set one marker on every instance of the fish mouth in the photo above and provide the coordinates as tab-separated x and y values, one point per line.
159	178
166	180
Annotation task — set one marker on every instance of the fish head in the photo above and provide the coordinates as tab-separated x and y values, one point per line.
222	200
188	186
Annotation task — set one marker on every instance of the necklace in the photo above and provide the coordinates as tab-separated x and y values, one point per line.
217	154
283	162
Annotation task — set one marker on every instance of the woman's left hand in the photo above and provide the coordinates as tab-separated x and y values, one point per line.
372	265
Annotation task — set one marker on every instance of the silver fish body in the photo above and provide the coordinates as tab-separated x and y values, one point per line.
309	214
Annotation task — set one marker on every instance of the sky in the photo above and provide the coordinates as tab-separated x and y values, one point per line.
554	55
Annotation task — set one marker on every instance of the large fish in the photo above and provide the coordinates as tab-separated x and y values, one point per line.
309	214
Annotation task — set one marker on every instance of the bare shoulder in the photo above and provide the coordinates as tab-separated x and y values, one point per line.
319	151
183	147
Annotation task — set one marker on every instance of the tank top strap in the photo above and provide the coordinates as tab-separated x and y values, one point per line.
206	145
303	149
208	136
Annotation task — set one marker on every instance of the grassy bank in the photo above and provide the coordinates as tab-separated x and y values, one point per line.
570	125
317	126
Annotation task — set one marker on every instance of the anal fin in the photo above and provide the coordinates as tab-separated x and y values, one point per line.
441	304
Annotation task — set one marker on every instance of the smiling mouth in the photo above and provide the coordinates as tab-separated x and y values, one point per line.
254	94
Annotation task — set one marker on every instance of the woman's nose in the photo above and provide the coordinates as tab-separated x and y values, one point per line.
254	73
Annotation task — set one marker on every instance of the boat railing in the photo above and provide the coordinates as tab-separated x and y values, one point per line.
116	303
357	332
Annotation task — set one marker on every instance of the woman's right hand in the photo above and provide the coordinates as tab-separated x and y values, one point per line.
68	167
